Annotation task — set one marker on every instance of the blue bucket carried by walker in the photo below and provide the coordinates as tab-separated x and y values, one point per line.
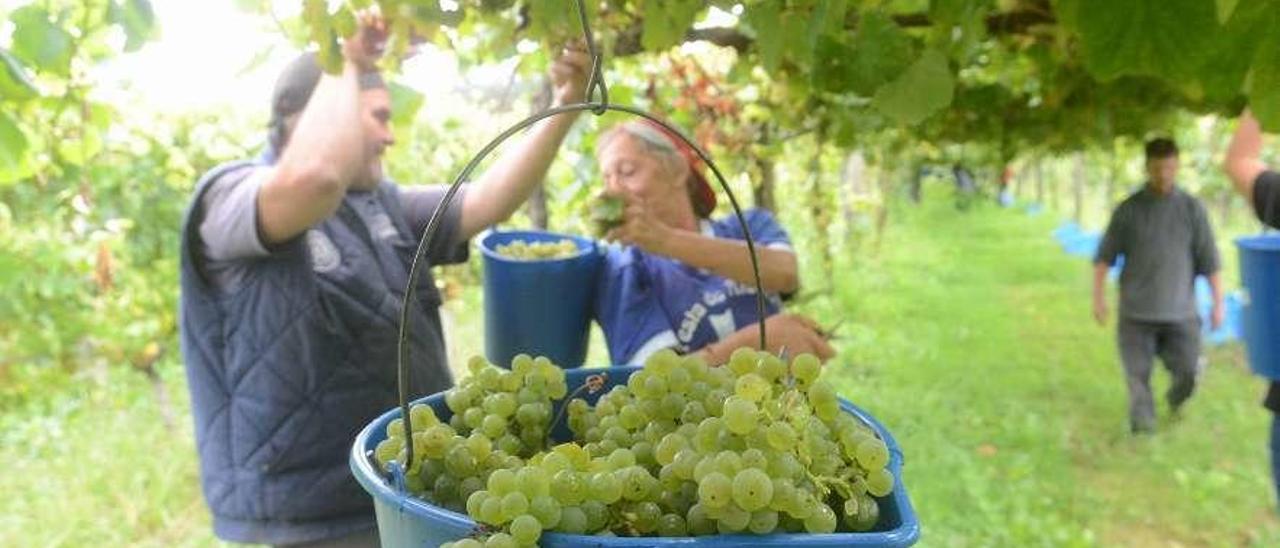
1260	302
406	521
538	307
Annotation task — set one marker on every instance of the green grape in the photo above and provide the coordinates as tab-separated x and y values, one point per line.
621	458
637	484
386	451
567	487
821	520
632	417
879	482
645	516
672	525
715	490
805	368
468	543
521	364
872	454
671	406
784	495
456	400
771	368
493	426
528	414
781	436
751	386
667	449
422	416
395	429
743	361
514	504
501	540
605	487
655	386
643	451
473	417
547	510
572	520
754	458
867	516
445	487
459	461
728	463
714	402
706	465
698	522
693	413
708	437
475	501
597	515
732	519
469	486
678	381
805	503
684	463
477	363
752	489
763	522
533	481
479	445
739	415
509	443
526	529
491	511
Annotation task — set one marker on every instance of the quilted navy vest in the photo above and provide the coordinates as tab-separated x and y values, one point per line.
285	369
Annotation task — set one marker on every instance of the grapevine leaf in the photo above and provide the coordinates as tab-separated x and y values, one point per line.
925	88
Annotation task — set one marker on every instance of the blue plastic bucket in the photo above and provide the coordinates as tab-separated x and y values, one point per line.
538	307
1260	302
405	521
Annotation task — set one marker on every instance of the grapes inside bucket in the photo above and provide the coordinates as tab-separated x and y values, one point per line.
757	453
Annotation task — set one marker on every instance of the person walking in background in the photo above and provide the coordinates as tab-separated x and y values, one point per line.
1259	185
1165	237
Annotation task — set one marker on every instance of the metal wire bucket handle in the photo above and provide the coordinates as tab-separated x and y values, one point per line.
595	83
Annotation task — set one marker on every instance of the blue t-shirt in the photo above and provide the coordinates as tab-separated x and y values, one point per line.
646	302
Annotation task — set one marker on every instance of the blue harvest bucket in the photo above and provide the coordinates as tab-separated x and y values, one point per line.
538	307
1260	302
405	521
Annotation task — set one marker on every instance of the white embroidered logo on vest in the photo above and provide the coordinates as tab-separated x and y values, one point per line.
324	255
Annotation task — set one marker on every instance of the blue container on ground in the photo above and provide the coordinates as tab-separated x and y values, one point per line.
405	521
1260	302
538	307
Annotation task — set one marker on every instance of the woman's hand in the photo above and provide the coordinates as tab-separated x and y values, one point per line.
792	332
642	228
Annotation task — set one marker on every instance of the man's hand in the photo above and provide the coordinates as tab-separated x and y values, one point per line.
569	74
1100	310
365	48
1216	315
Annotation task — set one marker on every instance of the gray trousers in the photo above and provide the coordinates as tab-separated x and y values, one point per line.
1178	346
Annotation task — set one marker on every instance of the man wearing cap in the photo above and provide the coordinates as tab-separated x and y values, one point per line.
293	269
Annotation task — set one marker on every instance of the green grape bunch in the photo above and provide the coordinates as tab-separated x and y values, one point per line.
758	446
605	212
538	251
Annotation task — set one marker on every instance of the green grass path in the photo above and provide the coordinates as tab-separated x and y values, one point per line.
976	346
